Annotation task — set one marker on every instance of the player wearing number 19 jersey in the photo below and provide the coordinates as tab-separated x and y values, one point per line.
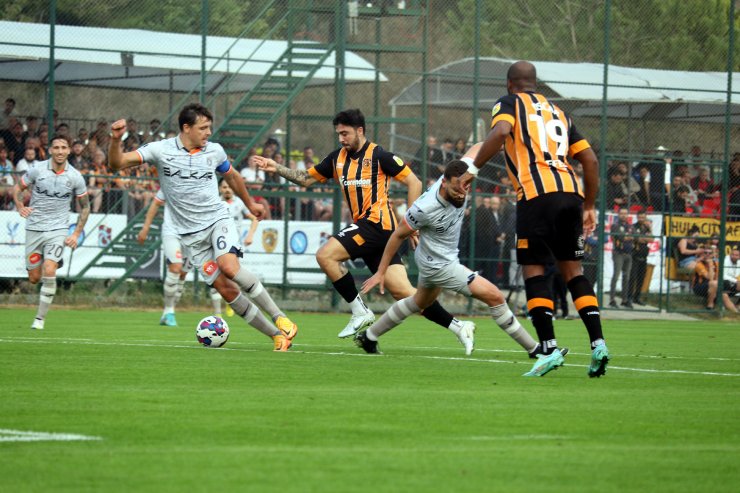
552	209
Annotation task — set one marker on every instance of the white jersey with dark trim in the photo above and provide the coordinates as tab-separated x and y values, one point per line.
438	223
188	181
51	195
237	209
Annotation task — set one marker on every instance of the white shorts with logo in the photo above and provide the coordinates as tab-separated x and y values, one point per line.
204	247
44	245
455	277
175	253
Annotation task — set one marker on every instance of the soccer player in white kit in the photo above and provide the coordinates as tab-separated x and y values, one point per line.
53	183
178	263
187	166
438	216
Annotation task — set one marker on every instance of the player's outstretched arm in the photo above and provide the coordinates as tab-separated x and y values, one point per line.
402	232
590	163
252	229
84	203
117	159
150	214
489	148
297	176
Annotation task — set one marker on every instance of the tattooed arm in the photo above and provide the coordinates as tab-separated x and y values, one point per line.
297	176
71	240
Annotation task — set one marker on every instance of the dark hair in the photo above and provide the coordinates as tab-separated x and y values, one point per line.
694	229
10	100
455	168
63	137
352	118
190	113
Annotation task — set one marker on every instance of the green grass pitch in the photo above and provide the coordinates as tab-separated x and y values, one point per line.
173	416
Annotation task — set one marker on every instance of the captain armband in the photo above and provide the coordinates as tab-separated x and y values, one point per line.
472	168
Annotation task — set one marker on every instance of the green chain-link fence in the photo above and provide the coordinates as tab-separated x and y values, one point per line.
652	84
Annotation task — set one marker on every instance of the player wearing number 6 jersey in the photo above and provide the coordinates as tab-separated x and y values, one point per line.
364	170
53	184
187	166
552	210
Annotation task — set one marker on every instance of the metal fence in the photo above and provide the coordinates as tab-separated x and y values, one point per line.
652	84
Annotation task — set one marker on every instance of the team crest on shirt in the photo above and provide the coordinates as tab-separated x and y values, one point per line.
366	162
398	161
269	239
496	109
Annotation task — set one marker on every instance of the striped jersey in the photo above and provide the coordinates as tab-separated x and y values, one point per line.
188	181
51	195
365	178
536	150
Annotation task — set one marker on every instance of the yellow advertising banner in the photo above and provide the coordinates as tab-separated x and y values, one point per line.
678	226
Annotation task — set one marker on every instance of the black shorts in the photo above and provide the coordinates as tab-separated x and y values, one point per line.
366	240
549	228
729	287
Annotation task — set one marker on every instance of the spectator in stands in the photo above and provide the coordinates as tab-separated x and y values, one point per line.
704	186
680	201
44	139
83	136
643	230
76	158
28	160
461	147
448	150
486	246
591	258
433	160
695	160
8	112
32	127
97	183
658	168
6	179
35	144
616	190
623	244
251	174
308	160
731	279
63	129
155	131
14	140
689	249
704	280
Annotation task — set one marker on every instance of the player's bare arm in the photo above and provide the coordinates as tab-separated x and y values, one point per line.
18	190
252	229
590	163
414	191
153	208
84	203
402	232
117	159
236	183
489	148
297	176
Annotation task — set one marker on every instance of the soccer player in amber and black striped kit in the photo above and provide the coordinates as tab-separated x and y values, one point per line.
364	170
552	210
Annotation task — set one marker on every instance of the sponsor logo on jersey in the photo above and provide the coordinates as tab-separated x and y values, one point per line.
357	183
269	239
210	267
178	254
34	258
522	243
366	162
496	109
55	195
398	161
187	175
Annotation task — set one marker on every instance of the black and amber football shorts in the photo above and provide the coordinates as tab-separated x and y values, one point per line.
548	228
366	240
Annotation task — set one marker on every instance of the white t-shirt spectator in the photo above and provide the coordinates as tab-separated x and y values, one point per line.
252	175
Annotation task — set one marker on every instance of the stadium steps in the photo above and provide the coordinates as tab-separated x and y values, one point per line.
254	115
125	252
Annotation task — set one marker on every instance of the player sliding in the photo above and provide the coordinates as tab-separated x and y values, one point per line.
438	215
187	166
364	171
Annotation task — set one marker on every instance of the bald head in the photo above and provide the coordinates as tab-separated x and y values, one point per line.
522	76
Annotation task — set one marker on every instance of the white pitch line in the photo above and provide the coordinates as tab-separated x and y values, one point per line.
342	353
7	435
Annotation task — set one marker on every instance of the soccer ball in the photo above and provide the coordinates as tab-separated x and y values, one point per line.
212	331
